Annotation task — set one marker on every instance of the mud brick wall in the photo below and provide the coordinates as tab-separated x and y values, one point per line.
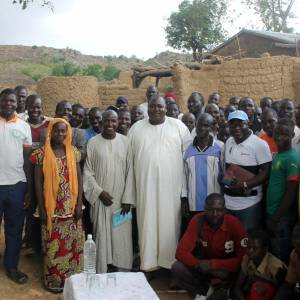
109	91
278	77
82	89
186	81
272	76
296	82
30	87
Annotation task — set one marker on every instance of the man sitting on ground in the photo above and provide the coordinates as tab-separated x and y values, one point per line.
210	251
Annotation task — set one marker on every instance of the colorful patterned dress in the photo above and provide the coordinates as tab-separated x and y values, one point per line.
63	247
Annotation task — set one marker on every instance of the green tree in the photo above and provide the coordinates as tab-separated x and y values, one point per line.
24	3
273	13
196	26
94	70
66	69
111	72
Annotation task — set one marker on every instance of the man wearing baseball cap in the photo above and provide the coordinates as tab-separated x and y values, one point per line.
247	163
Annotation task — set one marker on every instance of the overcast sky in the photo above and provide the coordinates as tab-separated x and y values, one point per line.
99	27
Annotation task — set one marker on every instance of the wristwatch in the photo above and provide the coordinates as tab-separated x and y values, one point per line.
245	186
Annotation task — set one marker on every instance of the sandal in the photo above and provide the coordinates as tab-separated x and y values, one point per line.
17	276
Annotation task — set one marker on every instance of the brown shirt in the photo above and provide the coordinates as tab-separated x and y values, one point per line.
269	268
293	273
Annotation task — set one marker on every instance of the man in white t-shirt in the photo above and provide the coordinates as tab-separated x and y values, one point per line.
15	140
250	153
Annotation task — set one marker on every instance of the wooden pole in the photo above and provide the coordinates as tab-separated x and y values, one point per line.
157	81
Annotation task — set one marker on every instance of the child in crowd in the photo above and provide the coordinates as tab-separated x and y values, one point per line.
290	290
261	272
172	110
282	190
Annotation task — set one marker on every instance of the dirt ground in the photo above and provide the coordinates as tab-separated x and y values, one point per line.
33	290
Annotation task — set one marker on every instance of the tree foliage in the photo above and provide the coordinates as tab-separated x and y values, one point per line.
94	70
66	69
111	72
70	69
273	13
24	3
196	26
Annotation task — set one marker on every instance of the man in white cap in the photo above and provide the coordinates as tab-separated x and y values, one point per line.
247	161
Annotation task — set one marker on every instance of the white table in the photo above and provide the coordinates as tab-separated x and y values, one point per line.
126	286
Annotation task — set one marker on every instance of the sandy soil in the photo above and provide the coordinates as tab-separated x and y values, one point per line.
33	290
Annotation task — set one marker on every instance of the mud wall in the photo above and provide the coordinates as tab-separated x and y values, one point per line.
108	93
278	77
186	81
83	89
272	76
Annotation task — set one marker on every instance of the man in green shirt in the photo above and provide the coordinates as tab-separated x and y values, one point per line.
282	190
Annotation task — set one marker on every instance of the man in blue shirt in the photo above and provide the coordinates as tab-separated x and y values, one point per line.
95	117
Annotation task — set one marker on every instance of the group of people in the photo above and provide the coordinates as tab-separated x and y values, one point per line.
211	194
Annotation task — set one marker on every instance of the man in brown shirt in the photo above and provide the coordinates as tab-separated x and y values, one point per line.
291	288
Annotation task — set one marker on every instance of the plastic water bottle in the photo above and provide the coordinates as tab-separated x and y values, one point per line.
89	256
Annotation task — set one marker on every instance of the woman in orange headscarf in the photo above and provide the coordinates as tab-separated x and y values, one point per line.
58	187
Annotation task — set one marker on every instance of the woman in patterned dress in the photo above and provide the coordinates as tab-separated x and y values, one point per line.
58	187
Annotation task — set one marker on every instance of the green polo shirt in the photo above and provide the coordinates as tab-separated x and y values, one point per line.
285	168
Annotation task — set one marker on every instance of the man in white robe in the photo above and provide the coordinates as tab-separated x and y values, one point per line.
157	147
108	184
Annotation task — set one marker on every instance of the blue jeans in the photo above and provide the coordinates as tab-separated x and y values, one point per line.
250	217
281	243
12	207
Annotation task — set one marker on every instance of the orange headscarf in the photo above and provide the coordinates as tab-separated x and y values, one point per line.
51	175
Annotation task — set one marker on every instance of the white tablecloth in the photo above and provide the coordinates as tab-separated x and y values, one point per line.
126	286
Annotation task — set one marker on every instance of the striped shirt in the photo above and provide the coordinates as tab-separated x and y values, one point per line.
202	173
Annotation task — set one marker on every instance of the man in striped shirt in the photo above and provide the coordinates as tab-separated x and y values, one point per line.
202	168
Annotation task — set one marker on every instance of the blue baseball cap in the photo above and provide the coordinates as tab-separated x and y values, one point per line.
238	114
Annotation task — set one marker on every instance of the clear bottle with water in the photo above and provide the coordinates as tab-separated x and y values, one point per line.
89	256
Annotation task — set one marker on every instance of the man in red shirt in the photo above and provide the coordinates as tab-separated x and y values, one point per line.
210	250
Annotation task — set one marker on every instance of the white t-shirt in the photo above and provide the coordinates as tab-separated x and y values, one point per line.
250	153
144	108
15	134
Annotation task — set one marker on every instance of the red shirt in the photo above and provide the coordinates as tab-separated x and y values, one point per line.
36	132
224	247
